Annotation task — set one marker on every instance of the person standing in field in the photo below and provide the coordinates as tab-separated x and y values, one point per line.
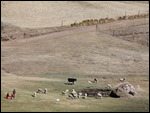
14	92
12	96
7	96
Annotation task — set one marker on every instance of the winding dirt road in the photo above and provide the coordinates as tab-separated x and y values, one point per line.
76	30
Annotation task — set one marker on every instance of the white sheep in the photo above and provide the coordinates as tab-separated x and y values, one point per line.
109	86
34	95
89	82
65	92
45	91
99	95
85	96
79	94
74	93
70	96
122	79
40	90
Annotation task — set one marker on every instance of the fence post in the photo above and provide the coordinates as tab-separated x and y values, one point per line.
113	32
96	27
144	20
61	24
125	14
139	13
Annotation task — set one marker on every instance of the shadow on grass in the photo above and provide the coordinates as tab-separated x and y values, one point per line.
69	83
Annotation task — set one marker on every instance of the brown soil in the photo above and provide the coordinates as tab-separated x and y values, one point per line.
80	50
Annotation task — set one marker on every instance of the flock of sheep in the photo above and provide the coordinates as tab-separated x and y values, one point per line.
74	94
40	91
108	85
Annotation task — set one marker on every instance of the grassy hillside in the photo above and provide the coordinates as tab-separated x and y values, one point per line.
25	86
86	53
49	62
34	60
37	14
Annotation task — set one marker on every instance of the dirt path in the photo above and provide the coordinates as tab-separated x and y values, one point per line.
77	30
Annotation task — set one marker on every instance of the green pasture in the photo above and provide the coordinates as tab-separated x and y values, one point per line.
24	102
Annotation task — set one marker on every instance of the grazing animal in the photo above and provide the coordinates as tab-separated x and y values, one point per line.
122	79
99	95
89	82
109	86
79	94
85	96
72	80
40	90
34	95
70	96
45	91
95	80
65	92
74	93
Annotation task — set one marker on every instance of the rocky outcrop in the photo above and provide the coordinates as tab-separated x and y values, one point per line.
124	90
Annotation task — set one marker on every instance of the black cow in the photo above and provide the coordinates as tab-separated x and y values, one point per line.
72	80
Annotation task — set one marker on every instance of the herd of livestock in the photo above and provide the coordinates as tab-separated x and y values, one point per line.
73	94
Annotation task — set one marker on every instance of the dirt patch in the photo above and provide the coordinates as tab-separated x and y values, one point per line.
94	92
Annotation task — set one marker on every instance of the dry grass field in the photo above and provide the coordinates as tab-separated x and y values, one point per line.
46	61
37	14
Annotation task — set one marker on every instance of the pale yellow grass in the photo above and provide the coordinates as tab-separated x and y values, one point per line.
37	14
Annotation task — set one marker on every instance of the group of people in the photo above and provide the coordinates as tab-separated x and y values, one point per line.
8	96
